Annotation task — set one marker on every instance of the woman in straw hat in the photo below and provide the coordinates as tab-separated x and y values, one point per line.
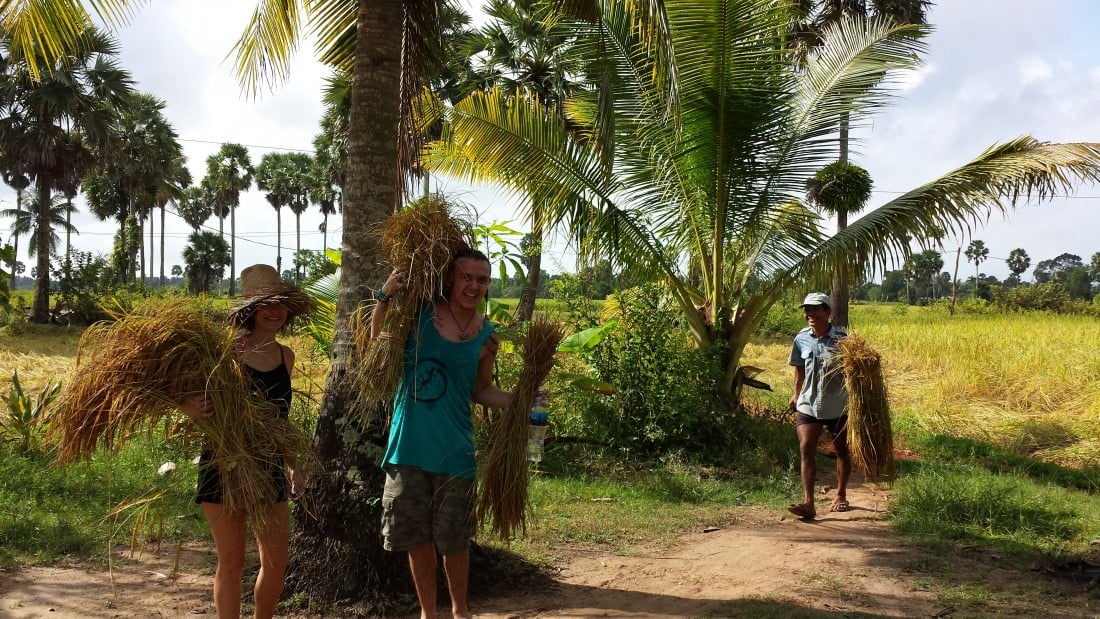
268	304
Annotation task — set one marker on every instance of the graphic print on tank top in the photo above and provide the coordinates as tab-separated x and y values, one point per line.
429	381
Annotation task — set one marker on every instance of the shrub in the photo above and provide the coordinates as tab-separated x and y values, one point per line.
782	321
662	400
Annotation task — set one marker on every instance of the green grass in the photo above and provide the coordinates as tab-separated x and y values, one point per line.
48	512
1001	412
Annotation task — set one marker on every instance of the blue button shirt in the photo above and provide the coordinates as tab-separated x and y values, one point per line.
823	394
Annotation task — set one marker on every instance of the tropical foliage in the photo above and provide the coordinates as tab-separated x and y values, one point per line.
54	120
697	145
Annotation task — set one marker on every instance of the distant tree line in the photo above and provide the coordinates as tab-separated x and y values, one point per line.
922	278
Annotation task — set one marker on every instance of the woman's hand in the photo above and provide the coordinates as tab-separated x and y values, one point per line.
197	406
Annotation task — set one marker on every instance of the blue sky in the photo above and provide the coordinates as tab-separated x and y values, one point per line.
996	69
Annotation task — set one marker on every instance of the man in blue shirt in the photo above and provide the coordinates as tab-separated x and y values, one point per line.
819	401
427	502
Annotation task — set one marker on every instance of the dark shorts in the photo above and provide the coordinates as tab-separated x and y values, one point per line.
210	480
420	508
836	427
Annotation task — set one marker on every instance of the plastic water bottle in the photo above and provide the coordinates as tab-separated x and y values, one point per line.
536	428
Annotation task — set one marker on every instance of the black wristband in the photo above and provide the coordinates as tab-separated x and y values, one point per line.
381	296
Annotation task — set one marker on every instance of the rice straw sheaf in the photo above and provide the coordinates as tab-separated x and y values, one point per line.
870	437
419	241
137	371
502	498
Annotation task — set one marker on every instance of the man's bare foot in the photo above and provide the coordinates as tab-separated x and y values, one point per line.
804	511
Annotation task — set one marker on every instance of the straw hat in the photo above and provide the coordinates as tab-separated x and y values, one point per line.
261	285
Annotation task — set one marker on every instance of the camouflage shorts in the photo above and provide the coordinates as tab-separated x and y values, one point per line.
420	508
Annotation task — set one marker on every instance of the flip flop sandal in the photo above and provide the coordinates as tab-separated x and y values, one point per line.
840	506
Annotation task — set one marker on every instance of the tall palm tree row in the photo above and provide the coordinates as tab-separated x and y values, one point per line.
54	120
713	135
286	179
142	169
229	172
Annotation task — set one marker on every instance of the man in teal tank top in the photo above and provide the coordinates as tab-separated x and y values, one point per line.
427	502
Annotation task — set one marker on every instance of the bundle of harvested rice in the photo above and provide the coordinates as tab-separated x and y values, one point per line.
420	242
137	371
502	499
870	437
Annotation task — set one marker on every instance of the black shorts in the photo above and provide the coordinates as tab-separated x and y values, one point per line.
210	480
836	427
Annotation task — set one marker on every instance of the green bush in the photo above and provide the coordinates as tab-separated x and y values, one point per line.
782	320
662	400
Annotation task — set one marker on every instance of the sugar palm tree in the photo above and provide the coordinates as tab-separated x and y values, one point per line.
976	252
28	222
206	256
18	181
525	50
194	207
271	179
229	172
711	136
1017	262
55	119
141	169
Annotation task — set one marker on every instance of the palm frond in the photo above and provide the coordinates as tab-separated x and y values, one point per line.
263	52
1001	178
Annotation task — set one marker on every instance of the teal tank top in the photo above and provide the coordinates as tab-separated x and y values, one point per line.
432	427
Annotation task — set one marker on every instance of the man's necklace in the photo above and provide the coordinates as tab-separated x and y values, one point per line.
462	330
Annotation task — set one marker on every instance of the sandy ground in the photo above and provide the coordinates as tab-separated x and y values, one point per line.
841	565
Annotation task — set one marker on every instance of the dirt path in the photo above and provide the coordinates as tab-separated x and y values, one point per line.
764	564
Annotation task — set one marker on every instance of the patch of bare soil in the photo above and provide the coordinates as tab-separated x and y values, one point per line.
765	564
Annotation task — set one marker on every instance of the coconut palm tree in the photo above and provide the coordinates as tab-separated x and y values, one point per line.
381	149
229	172
54	121
28	222
711	136
813	18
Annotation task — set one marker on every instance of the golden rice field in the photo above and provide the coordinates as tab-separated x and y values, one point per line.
1029	383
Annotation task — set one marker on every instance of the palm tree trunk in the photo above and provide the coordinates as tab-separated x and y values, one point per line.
324	233
840	278
297	245
15	236
164	206
526	307
233	251
68	228
279	241
335	552
955	280
40	308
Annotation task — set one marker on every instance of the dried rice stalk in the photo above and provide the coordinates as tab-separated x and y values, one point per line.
419	241
135	372
870	437
502	499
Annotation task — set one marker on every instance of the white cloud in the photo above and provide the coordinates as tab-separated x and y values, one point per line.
1034	69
